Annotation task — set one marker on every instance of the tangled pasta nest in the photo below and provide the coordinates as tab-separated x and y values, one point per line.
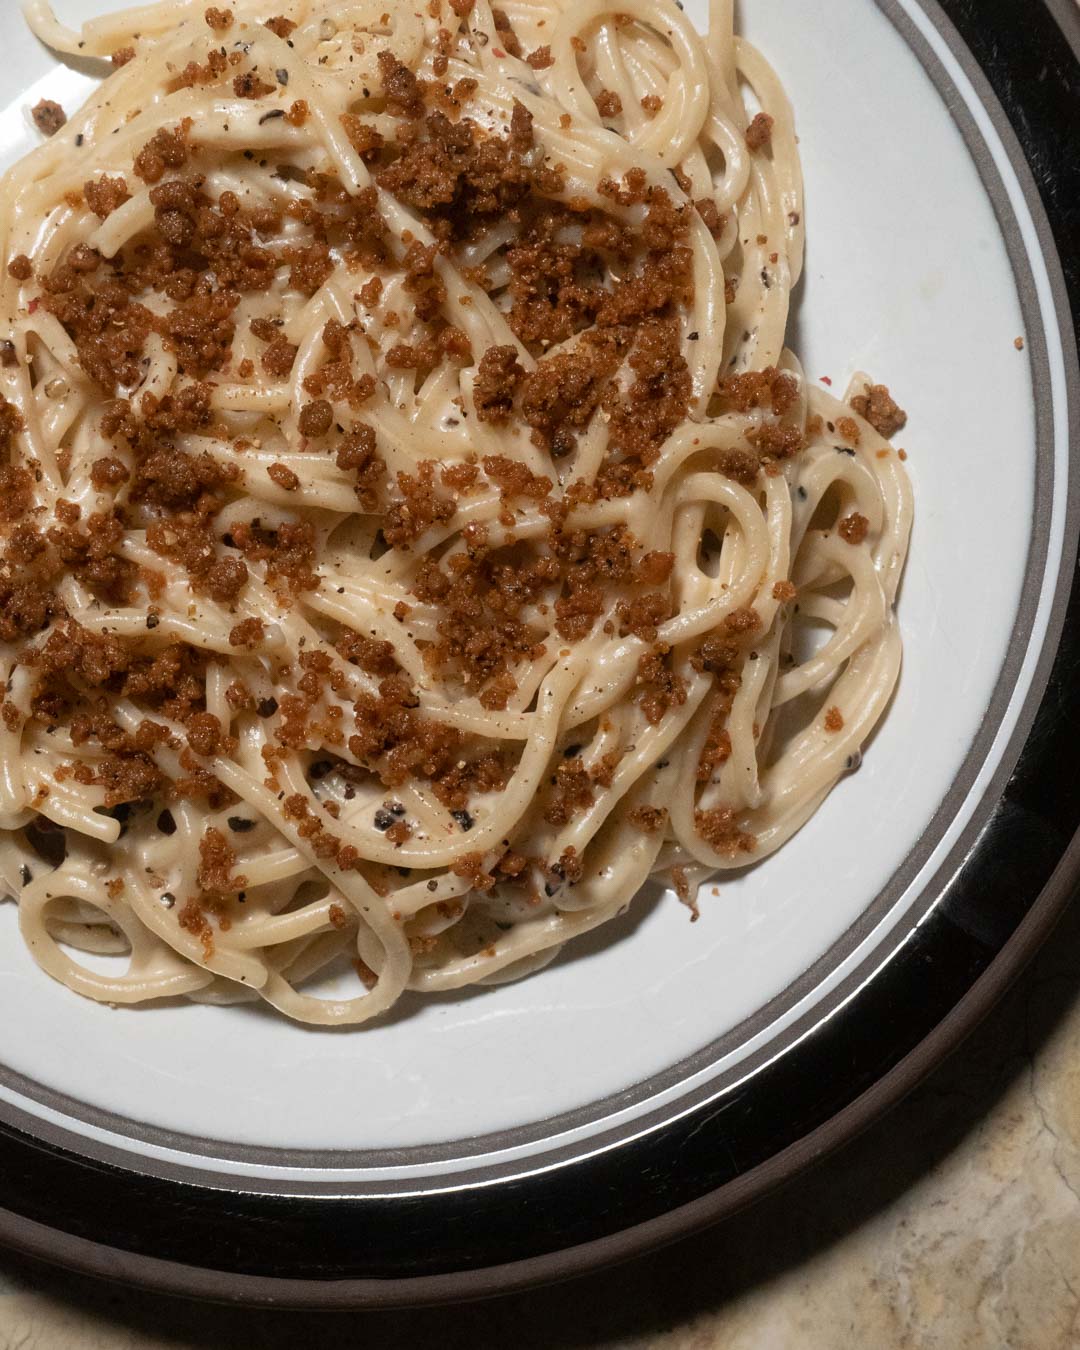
415	533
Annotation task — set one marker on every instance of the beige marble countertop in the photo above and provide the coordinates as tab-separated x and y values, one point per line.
954	1224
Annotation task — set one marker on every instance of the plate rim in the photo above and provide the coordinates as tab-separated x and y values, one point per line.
99	1258
98	1131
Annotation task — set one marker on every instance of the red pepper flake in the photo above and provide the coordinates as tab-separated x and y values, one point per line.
825	380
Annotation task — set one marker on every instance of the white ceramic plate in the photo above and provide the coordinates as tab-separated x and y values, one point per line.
927	257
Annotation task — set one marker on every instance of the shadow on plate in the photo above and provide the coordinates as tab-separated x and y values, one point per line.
589	944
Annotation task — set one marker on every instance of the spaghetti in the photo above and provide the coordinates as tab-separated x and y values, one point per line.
415	533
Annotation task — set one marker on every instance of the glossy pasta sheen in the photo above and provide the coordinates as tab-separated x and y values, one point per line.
813	682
